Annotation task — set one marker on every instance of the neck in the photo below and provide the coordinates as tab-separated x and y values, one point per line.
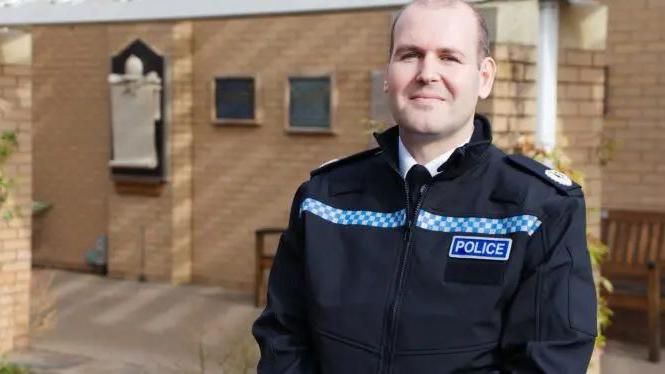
426	147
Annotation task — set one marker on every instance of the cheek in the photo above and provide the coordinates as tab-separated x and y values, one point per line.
463	86
398	79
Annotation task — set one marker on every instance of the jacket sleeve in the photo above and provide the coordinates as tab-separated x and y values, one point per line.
550	325
282	331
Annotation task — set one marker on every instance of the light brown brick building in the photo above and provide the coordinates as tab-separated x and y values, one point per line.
225	180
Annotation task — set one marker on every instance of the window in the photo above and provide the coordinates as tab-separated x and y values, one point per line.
235	100
310	104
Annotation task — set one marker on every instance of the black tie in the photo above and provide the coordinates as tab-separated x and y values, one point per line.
417	177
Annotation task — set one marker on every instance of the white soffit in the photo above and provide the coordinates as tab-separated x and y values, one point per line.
32	12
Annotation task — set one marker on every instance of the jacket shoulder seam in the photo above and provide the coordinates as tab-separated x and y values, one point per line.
336	163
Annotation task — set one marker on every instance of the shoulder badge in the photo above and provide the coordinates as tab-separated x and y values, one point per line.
559	177
332	164
559	180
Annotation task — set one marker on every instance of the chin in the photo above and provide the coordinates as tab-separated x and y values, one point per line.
430	125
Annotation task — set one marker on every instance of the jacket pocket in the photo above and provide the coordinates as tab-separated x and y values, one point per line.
338	354
480	272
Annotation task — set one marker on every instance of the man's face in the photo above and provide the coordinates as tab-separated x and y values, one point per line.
433	79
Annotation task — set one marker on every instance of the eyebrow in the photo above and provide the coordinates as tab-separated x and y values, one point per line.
414	48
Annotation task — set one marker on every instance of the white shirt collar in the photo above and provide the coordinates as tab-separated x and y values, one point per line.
406	161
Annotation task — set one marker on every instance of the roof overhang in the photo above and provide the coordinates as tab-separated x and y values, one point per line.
34	12
95	11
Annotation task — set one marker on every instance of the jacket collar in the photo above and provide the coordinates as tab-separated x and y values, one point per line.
462	159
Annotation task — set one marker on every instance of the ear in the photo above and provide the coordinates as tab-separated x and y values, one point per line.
487	74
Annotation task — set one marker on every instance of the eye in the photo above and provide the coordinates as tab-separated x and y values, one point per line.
449	58
408	56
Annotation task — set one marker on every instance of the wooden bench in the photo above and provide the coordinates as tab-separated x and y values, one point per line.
263	262
635	264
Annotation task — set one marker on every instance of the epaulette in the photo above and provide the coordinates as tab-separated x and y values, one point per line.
344	161
555	178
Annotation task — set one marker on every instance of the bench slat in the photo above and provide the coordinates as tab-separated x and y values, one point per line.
654	240
644	242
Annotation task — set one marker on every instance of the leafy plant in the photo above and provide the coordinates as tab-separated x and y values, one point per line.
8	368
8	144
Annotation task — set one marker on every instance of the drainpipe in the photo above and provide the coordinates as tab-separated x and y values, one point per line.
546	80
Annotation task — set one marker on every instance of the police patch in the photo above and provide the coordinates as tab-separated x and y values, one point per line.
480	248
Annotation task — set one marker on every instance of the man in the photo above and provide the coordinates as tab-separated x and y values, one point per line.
435	252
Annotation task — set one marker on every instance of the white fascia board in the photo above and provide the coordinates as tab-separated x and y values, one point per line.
93	11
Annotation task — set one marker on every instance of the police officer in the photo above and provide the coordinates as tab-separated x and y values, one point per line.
435	252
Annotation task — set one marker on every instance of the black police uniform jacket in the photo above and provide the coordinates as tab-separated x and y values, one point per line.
493	276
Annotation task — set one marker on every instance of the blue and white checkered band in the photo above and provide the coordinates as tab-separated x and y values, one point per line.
478	225
353	217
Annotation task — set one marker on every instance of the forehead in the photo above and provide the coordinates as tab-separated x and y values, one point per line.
452	26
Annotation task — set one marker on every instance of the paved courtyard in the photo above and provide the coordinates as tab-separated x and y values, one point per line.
119	326
108	326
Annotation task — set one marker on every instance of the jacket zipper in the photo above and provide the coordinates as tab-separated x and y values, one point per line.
392	326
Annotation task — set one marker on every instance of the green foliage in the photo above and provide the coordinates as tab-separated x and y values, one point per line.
8	368
598	251
8	144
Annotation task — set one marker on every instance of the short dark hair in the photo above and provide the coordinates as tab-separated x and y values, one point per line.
483	32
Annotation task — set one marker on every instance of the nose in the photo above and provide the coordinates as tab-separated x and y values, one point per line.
429	71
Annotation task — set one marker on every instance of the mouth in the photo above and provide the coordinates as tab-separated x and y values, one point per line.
426	97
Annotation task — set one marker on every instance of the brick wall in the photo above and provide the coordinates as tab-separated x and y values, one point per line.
635	177
15	115
512	109
71	64
140	224
71	137
181	148
251	170
245	177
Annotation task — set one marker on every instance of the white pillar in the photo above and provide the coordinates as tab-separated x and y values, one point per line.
546	80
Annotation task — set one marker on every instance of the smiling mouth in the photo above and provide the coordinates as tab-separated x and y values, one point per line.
426	98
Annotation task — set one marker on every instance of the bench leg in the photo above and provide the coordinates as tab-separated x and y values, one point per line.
258	287
654	313
258	271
